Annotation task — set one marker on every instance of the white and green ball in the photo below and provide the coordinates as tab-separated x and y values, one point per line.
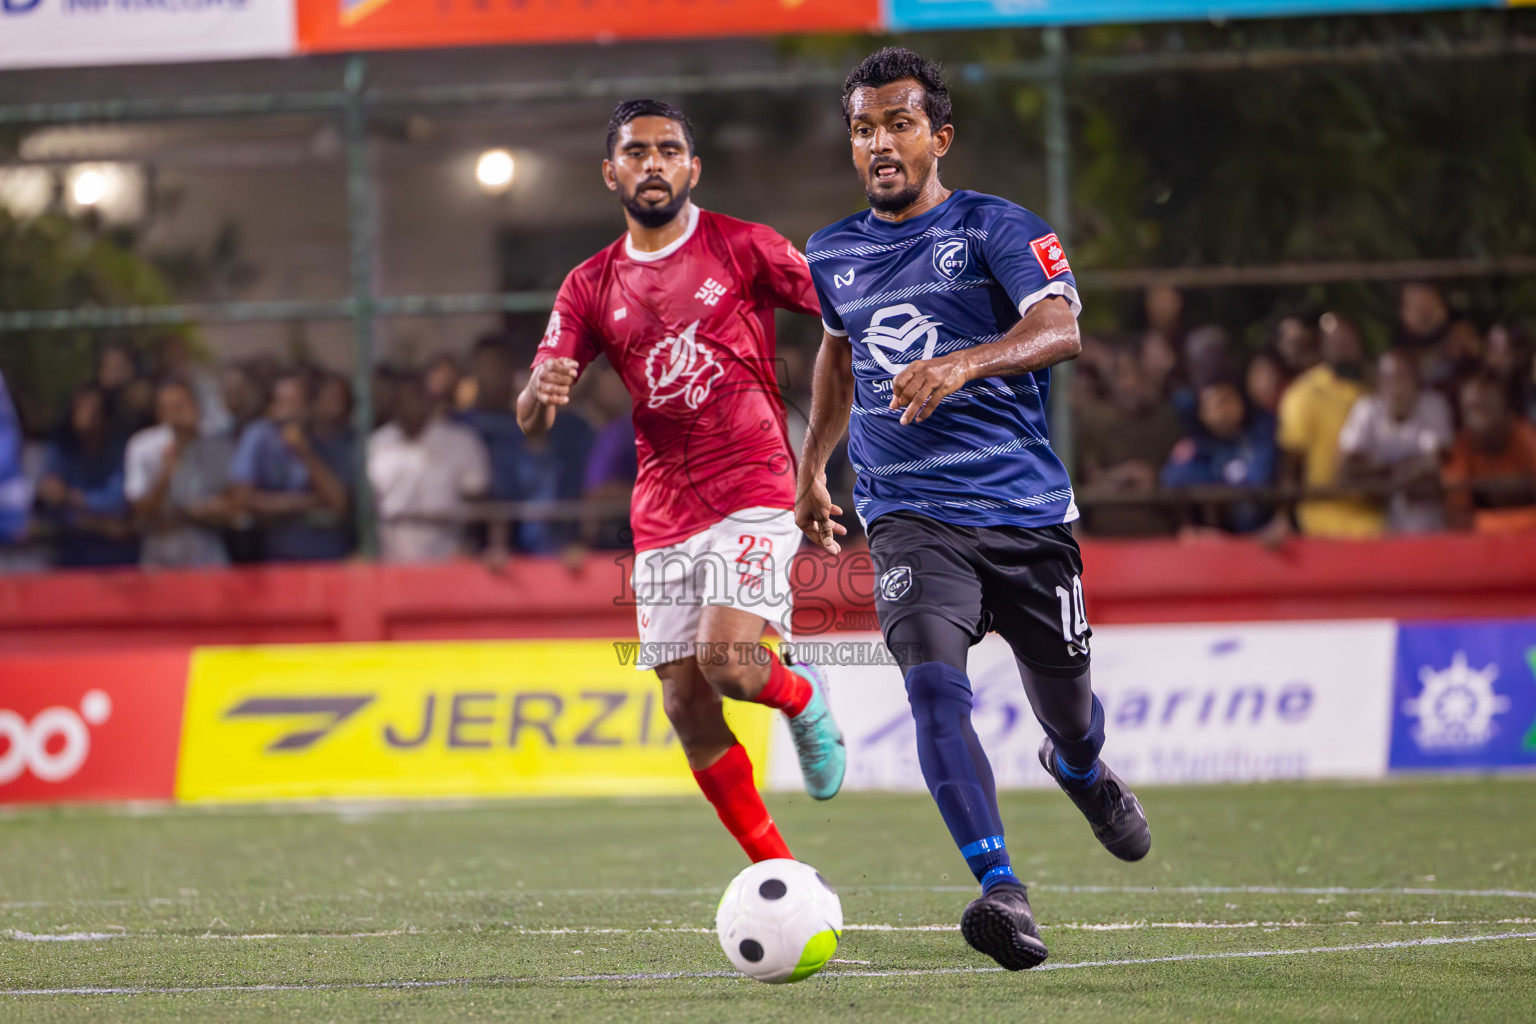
779	921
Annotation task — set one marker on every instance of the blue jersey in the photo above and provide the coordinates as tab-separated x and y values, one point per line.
961	274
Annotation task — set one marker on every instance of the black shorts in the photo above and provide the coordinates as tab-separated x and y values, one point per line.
1023	583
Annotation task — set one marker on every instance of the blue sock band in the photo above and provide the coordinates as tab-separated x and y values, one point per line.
1078	759
956	768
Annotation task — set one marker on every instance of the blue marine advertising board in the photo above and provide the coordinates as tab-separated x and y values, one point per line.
920	14
1464	696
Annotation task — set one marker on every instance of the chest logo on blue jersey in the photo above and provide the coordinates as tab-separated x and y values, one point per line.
900	338
951	256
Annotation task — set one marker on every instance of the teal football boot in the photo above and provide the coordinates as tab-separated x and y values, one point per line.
818	740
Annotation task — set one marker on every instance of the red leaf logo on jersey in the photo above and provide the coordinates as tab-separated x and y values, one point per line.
1052	257
681	367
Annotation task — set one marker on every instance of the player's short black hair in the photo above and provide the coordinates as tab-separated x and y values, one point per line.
630	109
894	63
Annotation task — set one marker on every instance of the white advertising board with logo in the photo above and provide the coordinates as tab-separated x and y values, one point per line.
1183	704
54	33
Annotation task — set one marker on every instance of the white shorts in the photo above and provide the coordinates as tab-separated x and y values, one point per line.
742	562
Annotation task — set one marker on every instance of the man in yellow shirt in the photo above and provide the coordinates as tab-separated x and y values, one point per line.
1312	414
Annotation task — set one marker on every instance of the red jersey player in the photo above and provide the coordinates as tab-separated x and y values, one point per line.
683	305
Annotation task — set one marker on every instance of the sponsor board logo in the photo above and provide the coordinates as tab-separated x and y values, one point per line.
1052	257
18	6
430	720
1465	696
55	743
90	726
1183	704
951	256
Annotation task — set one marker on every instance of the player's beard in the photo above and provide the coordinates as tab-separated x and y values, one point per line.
890	202
655	216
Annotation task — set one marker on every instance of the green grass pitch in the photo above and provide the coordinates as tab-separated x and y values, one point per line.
1412	901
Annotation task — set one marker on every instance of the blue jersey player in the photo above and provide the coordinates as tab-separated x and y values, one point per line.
943	313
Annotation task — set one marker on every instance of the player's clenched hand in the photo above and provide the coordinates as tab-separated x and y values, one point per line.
553	379
923	385
813	514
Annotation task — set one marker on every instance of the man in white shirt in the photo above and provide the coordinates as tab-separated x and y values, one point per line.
423	469
1399	434
174	476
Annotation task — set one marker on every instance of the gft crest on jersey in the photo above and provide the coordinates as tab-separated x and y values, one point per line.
897	344
681	367
951	256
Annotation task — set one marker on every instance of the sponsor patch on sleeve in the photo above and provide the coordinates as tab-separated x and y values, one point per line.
1052	257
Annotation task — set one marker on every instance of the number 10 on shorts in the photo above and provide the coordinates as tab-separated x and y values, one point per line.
1074	618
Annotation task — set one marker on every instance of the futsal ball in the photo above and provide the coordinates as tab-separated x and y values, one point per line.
779	921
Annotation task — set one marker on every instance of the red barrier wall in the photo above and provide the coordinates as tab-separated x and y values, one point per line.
1158	581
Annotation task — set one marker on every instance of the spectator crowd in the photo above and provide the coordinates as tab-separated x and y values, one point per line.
179	466
1178	430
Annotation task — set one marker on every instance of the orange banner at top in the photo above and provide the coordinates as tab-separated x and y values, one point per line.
328	25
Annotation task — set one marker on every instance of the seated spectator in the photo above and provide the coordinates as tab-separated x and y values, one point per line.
1121	445
128	398
492	418
1164	307
1207	357
1423	316
15	487
1491	474
1312	413
1459	356
177	363
1158	359
613	462
424	468
442	378
1398	436
81	491
1265	381
1510	358
332	424
1234	446
175	479
243	398
297	491
1296	342
551	469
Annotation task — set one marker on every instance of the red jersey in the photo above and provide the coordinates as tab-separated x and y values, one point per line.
690	330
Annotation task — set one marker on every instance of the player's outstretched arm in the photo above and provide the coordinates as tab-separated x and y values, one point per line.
831	404
547	390
1046	335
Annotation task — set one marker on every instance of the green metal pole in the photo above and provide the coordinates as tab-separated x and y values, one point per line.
362	230
1058	188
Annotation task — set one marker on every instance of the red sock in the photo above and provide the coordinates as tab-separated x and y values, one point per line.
728	785
788	691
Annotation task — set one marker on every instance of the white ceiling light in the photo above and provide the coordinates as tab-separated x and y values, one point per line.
25	191
89	187
494	171
115	192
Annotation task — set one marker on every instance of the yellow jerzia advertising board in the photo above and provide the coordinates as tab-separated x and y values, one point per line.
422	720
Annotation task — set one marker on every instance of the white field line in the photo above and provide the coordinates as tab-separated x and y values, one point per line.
1119	890
1084	926
828	976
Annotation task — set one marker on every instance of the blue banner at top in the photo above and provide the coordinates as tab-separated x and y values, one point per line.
921	14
